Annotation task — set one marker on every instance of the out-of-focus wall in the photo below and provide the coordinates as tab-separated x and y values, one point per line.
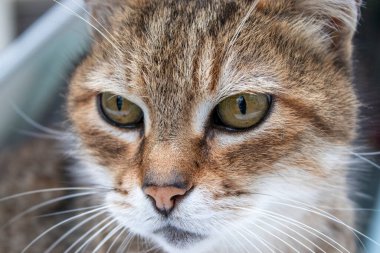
34	68
367	84
7	23
17	15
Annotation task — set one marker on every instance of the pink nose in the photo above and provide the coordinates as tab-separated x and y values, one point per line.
164	197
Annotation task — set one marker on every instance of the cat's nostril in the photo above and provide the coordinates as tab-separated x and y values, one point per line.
164	197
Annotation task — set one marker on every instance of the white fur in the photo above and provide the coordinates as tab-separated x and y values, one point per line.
235	224
233	81
201	115
244	228
346	11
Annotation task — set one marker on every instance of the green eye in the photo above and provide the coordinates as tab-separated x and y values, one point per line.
242	111
119	111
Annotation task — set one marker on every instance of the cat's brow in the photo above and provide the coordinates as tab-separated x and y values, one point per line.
230	83
102	81
247	83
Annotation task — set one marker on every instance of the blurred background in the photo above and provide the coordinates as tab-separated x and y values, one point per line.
17	15
41	41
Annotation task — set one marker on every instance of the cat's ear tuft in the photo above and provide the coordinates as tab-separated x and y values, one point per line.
101	11
337	18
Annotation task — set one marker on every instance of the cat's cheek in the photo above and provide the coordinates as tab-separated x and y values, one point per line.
86	172
132	210
136	212
115	152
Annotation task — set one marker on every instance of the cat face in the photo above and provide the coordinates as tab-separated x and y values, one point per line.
184	173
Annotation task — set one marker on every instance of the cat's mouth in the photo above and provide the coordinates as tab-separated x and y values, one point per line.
178	237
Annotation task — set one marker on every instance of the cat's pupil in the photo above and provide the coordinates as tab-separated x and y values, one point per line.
242	104
119	102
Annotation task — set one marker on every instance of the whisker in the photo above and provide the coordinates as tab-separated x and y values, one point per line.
23	194
41	136
58	225
327	215
294	231
36	207
262	241
97	21
245	238
366	160
321	206
125	244
331	217
282	232
270	233
65	235
369	154
323	237
116	240
32	122
86	234
87	22
309	230
69	211
154	248
265	243
108	237
95	235
301	226
277	237
241	26
233	236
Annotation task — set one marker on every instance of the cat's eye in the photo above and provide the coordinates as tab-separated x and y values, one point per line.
242	111
119	111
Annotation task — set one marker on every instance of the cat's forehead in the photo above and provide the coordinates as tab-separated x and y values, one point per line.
178	55
170	41
203	16
187	47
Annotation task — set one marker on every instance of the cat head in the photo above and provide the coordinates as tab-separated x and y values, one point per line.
202	115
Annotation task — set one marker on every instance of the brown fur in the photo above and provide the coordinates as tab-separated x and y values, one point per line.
272	41
163	48
176	54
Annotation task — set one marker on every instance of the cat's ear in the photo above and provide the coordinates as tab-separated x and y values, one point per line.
337	19
101	11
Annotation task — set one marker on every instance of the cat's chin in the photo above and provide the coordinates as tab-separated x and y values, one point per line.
178	238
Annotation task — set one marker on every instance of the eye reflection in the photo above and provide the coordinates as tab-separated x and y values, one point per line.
119	111
242	111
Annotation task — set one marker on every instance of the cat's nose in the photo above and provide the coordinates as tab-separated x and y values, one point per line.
165	197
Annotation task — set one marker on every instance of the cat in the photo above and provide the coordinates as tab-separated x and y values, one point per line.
214	126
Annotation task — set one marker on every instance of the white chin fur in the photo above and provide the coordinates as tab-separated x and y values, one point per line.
250	227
